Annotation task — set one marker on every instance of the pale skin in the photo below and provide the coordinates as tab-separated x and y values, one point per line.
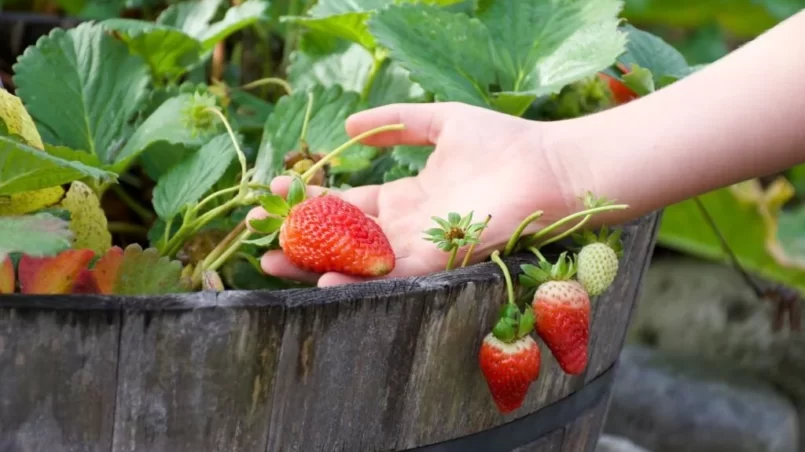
741	117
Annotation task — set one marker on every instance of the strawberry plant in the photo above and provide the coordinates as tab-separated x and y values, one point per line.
125	132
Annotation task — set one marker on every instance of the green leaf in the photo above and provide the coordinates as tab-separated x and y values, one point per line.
168	123
23	168
193	18
274	204
653	53
331	107
36	235
514	53
349	65
296	193
447	53
344	19
263	242
639	80
524	33
683	228
236	18
168	51
267	225
791	232
526	322
82	86
186	182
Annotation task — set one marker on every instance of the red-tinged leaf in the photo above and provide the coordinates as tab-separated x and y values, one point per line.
7	278
52	275
107	269
85	282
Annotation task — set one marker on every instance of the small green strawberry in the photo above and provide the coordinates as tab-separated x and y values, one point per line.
597	263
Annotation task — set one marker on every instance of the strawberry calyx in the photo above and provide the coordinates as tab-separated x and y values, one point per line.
610	238
455	233
512	323
564	269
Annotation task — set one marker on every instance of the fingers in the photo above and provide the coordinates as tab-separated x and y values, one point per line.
423	123
275	263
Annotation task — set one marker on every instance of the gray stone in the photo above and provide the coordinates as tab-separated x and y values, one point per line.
700	309
612	443
670	404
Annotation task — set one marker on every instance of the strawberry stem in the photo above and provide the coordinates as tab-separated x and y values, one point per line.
517	232
472	246
452	258
538	254
537	235
305	123
269	81
567	232
244	167
509	287
337	151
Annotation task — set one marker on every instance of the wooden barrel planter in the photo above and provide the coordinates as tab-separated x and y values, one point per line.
379	366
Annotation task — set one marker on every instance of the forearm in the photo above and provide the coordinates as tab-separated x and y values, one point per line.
739	118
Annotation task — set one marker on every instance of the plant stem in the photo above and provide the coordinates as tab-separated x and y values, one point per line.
133	204
269	81
251	260
306	123
509	287
513	239
537	235
452	258
166	233
377	64
229	251
244	167
537	253
472	246
567	232
212	196
219	250
327	158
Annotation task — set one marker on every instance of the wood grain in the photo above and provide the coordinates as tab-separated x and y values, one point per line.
377	366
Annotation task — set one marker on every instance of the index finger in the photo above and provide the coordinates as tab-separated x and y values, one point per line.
423	123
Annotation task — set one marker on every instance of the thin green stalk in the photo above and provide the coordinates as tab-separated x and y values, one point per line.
212	196
472	246
244	167
517	232
166	233
133	204
537	235
537	253
377	65
269	81
452	258
251	260
215	265
509	287
575	228
306	122
327	158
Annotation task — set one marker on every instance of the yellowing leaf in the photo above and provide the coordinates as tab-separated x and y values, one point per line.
87	219
30	201
17	120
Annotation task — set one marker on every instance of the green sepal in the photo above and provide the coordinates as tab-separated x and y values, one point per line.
563	270
509	311
455	231
268	225
296	193
274	204
640	80
504	329
591	201
611	239
527	321
263	242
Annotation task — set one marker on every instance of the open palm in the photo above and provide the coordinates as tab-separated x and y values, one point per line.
485	162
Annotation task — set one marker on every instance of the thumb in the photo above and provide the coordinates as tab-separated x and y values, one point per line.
423	123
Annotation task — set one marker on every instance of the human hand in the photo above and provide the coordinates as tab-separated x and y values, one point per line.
485	162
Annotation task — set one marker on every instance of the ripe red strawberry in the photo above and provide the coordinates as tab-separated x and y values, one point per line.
325	233
509	369
562	310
